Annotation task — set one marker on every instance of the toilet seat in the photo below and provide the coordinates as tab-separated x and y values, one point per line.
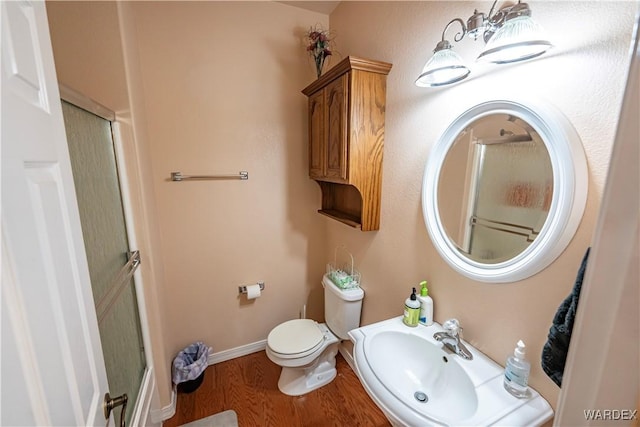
295	338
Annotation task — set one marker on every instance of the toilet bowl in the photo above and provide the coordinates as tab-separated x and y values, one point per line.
306	350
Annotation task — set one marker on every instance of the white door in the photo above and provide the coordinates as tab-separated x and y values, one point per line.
52	369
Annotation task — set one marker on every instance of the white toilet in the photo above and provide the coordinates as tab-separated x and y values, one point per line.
306	349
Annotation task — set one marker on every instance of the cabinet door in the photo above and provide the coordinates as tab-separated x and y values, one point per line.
317	150
336	128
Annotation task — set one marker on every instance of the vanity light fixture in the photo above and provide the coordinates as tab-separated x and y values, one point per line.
510	36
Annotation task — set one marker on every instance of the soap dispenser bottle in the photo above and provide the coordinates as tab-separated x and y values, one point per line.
516	373
411	310
426	305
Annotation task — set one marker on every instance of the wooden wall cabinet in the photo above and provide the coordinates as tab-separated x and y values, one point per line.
346	139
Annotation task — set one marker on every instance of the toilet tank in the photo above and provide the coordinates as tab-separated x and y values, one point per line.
342	308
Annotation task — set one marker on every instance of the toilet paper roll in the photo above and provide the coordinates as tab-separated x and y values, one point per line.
253	291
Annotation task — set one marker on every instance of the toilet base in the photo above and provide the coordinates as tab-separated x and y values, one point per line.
299	381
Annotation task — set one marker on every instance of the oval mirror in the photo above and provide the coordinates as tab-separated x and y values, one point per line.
504	190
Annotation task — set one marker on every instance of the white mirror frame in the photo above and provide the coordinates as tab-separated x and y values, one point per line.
570	187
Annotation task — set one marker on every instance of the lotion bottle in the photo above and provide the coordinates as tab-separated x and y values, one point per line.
516	373
426	305
411	310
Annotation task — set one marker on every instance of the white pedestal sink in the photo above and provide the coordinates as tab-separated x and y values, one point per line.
415	382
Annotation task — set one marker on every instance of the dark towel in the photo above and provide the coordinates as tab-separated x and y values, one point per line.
554	352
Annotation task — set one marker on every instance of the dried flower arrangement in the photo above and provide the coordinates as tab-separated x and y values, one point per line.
319	46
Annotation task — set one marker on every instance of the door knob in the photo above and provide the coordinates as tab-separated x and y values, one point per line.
110	404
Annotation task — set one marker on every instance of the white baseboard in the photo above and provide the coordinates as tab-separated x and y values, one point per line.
232	353
344	351
170	410
221	356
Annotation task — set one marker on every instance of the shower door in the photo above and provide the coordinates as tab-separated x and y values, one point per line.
511	194
111	263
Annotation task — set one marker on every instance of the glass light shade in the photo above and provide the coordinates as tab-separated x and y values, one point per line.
518	39
443	68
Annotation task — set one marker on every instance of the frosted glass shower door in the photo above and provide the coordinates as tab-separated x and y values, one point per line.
512	194
104	231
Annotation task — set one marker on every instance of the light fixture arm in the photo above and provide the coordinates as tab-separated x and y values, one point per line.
491	23
459	36
494	22
493	6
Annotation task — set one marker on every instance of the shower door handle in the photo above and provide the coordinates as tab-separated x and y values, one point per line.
110	404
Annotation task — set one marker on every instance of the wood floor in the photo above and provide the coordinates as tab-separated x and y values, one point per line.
249	386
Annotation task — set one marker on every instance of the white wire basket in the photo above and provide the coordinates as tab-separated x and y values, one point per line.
341	271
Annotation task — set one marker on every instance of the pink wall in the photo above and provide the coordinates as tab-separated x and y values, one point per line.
222	88
583	75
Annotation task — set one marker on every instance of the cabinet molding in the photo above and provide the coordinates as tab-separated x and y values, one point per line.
346	139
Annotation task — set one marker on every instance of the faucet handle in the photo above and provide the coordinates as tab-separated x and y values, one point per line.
452	326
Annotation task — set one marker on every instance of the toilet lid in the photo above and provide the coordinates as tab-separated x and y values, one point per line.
295	336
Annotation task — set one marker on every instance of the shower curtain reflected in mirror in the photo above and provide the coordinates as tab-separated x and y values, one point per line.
511	196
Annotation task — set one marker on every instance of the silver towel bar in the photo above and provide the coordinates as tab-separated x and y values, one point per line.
519	230
177	176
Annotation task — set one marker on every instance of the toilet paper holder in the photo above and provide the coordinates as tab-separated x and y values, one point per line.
243	289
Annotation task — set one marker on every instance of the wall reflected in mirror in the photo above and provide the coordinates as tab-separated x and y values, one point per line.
495	188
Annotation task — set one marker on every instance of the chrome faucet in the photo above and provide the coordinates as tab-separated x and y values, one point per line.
452	340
